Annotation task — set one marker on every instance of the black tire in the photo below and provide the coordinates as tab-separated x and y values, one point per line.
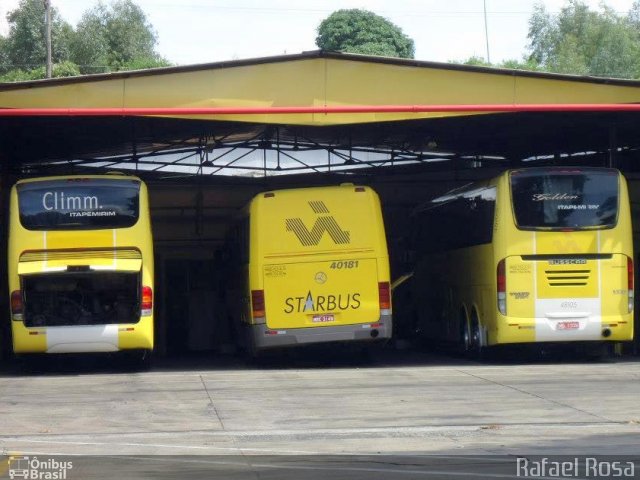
28	364
251	353
478	351
600	352
137	360
370	351
465	336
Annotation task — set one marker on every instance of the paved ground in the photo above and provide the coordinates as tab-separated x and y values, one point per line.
400	403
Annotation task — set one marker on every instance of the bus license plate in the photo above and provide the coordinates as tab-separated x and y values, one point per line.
568	325
323	318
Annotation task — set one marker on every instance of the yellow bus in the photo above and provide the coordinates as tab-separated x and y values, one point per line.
313	266
81	265
534	255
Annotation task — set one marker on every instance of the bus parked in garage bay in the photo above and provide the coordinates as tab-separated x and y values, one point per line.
534	255
313	266
81	265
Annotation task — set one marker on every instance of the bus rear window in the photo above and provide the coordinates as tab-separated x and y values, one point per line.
79	204
558	199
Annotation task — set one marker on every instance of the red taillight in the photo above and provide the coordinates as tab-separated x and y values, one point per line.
630	292
384	294
146	305
501	277
16	304
501	284
257	303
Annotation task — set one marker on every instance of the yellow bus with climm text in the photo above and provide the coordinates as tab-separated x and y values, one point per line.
81	265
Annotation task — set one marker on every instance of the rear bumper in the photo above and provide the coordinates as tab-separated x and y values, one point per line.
618	328
83	338
263	337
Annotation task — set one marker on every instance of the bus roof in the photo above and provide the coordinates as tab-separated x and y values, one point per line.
114	176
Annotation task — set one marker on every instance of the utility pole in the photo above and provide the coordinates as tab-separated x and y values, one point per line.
486	30
47	19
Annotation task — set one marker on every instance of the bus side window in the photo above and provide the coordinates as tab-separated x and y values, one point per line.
473	215
482	210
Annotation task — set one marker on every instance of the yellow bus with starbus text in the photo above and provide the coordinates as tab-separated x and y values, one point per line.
535	255
81	265
311	267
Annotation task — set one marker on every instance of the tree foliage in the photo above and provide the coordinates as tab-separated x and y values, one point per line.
108	38
524	64
111	38
62	69
581	41
25	48
364	32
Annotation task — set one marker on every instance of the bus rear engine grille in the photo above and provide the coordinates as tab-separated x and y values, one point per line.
567	278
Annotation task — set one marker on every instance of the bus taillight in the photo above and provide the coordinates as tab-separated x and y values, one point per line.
146	306
257	306
384	294
502	287
16	305
630	282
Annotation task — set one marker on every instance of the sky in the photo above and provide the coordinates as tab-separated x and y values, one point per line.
202	31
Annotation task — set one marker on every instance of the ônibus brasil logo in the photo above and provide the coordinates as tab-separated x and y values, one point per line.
32	468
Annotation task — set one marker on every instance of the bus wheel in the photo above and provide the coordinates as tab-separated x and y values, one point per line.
599	352
251	353
476	348
136	360
28	363
465	335
144	361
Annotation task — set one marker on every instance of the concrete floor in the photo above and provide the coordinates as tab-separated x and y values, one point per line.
406	403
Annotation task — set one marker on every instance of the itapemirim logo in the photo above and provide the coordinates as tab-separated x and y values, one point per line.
324	223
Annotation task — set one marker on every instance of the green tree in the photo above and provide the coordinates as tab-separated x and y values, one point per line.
581	41
478	61
364	32
24	48
115	37
108	38
62	69
524	64
5	63
475	61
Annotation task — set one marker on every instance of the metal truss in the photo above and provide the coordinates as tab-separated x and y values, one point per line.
265	154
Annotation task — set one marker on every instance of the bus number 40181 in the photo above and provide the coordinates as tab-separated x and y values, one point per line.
345	264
